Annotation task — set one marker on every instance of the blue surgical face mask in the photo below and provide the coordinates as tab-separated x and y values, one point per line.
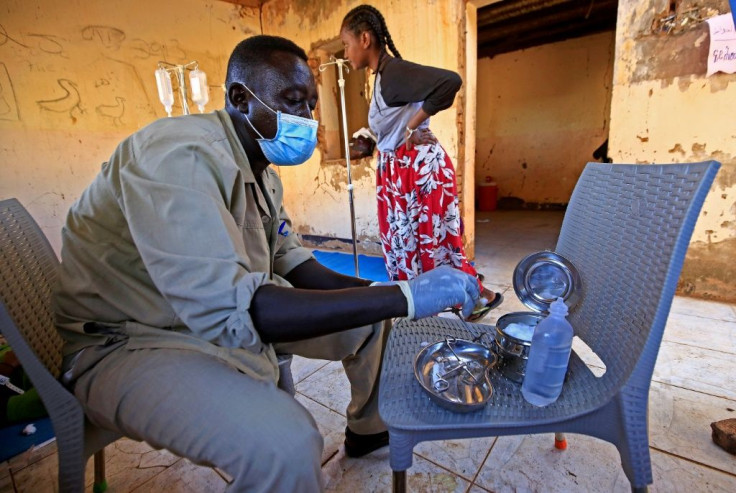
295	138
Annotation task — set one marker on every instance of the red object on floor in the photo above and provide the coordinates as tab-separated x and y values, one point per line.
561	444
486	194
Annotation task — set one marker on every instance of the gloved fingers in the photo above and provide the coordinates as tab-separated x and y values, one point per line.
443	287
472	295
467	306
470	286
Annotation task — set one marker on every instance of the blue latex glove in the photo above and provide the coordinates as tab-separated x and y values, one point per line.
443	287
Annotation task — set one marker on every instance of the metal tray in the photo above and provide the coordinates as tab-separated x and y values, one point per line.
454	373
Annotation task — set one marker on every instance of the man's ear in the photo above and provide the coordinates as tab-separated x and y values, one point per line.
238	95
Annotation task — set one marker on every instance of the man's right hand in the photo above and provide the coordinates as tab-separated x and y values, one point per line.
443	287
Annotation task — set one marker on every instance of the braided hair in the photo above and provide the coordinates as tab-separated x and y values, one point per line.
367	18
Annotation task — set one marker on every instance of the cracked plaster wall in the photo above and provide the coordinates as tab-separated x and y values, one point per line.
665	110
76	77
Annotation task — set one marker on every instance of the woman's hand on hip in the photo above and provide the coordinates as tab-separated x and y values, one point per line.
418	137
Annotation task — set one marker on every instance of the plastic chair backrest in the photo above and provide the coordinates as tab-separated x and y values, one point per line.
28	275
626	229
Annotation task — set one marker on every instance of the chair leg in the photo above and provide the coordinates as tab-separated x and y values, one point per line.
399	481
100	482
70	454
560	441
286	379
632	441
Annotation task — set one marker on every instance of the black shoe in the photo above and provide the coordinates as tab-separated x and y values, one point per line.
359	445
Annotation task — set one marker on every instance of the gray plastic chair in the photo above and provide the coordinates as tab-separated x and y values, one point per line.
28	272
626	229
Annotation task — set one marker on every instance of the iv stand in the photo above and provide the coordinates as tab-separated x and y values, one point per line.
341	82
178	70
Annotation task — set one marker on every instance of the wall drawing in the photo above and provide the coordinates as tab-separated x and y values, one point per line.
108	36
114	111
170	52
8	101
50	44
142	93
98	66
46	43
5	38
67	103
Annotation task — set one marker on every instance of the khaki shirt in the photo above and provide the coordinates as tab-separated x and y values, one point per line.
167	246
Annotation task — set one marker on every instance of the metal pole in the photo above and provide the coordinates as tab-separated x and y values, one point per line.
341	82
182	89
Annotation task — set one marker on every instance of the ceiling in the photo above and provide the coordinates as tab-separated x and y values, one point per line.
512	25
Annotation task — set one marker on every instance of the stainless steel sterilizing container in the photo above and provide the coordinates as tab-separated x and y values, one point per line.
539	279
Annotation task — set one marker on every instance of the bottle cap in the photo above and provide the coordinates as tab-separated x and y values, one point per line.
558	307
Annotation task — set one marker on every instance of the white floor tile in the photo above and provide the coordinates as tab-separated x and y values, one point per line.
464	457
329	386
331	425
673	475
531	463
708	371
679	423
301	368
704	308
184	477
372	473
707	333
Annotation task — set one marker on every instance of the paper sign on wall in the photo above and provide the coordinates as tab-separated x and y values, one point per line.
722	53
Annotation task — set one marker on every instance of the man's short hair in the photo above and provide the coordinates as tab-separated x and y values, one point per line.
251	53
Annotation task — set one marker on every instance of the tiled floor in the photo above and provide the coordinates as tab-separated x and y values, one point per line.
693	386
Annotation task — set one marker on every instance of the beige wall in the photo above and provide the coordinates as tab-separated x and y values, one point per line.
541	114
77	76
665	110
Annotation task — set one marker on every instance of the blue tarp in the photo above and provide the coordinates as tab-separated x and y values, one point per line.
13	442
370	267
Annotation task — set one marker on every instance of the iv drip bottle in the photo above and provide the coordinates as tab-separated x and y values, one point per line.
549	355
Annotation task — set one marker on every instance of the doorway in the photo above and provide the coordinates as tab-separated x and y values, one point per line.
544	80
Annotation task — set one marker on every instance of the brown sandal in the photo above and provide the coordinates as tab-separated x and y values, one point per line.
481	312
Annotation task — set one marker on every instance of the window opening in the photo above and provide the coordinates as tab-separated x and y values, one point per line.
330	111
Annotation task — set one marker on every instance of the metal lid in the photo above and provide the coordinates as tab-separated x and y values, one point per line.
542	277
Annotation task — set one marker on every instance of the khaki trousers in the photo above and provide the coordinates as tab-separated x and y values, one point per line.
200	408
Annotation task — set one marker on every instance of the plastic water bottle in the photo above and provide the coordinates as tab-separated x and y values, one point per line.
549	355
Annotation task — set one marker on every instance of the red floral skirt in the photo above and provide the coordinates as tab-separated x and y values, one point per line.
418	212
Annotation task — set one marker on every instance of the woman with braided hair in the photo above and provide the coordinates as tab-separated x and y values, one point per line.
418	213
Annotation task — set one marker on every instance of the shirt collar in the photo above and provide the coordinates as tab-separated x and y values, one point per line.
236	146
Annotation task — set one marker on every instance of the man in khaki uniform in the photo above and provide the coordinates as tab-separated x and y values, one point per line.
180	282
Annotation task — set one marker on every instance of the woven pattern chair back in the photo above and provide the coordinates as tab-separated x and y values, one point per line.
28	275
626	229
